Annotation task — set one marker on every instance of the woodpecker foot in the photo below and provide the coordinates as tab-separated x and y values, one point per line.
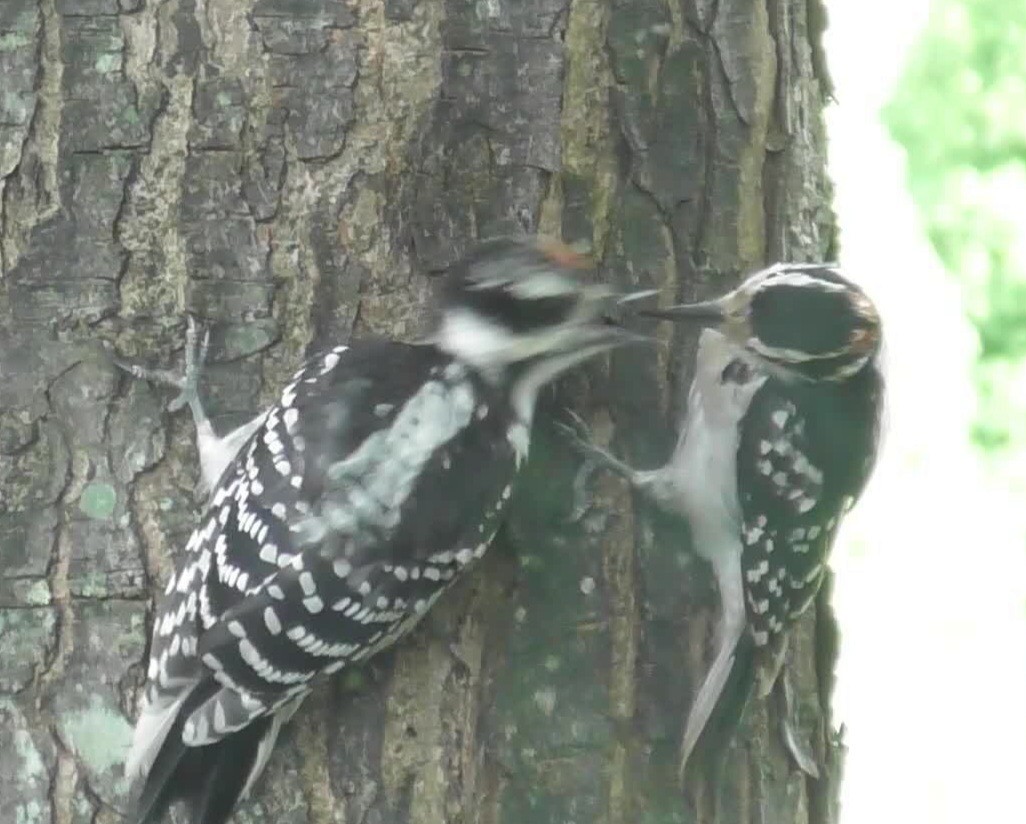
798	748
581	441
195	360
594	458
215	453
188	381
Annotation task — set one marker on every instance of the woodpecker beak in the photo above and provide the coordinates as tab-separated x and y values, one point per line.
632	297
617	335
709	311
612	320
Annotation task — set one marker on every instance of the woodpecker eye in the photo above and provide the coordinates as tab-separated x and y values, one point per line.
519	314
516	285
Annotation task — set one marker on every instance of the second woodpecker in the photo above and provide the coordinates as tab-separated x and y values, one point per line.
340	514
780	436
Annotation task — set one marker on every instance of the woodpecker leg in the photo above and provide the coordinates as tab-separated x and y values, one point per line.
580	440
594	458
799	749
727	569
214	453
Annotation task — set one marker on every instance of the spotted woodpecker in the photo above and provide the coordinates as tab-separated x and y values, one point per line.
778	440
339	515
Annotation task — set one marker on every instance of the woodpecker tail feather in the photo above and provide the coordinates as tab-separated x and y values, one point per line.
227	772
756	671
711	747
210	779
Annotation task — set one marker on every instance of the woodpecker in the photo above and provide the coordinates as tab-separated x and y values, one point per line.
778	439
339	515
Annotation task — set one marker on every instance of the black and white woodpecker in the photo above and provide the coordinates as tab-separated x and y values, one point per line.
339	515
778	439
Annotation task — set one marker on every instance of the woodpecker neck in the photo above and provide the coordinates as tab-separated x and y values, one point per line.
527	379
474	341
496	353
520	364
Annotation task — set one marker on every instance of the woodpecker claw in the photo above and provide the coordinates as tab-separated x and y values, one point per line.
215	453
195	359
594	458
580	440
578	437
579	421
163	377
187	383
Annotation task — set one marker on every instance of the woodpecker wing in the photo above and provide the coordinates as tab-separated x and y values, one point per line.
380	472
805	453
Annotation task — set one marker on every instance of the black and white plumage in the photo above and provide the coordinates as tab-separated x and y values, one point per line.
338	516
779	438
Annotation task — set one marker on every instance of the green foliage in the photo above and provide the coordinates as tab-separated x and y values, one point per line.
960	112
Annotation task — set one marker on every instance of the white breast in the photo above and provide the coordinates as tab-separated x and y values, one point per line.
700	480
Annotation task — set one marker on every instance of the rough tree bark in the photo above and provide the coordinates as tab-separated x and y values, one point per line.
290	170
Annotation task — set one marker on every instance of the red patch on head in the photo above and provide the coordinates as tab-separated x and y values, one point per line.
562	255
865	339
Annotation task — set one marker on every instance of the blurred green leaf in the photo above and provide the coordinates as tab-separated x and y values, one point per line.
960	113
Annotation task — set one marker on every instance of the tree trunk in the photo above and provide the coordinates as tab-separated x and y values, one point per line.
290	171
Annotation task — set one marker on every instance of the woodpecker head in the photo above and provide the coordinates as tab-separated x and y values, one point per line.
523	302
798	320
